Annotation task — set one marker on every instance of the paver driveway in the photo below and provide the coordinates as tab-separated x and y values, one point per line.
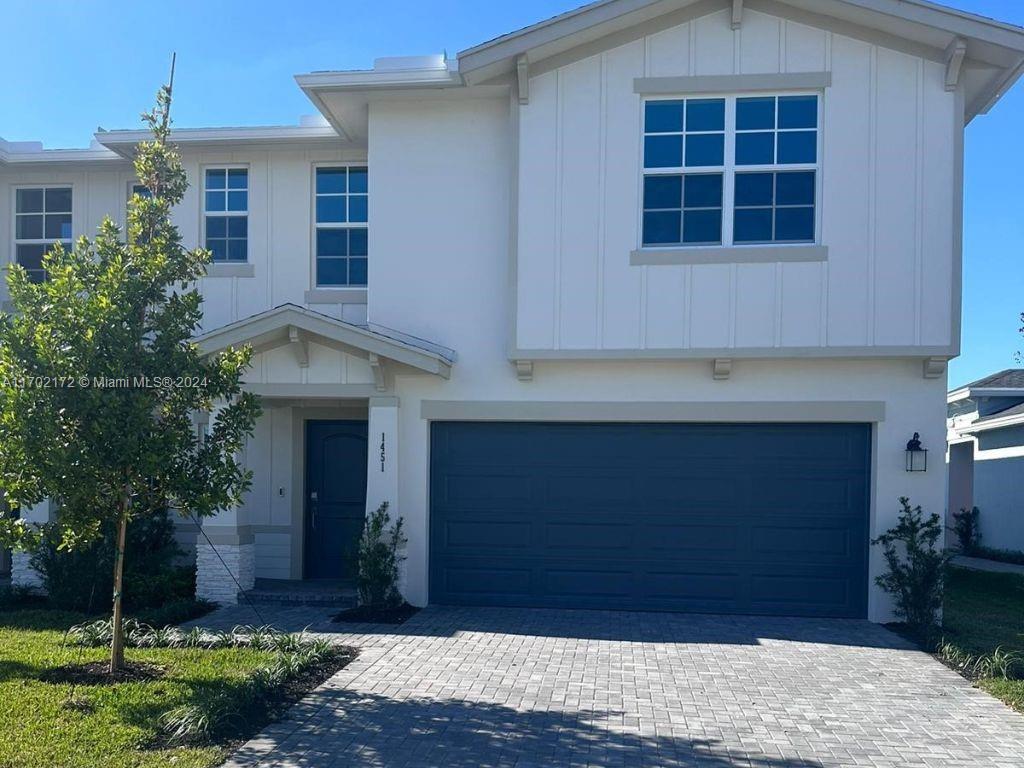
520	687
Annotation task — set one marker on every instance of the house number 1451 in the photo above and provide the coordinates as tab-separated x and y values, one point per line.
382	455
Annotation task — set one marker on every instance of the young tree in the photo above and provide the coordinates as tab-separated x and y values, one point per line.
100	378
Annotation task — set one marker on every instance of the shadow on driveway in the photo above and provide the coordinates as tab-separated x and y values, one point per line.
361	729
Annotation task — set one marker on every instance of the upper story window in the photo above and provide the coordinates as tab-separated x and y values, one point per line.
42	217
730	171
341	197
226	213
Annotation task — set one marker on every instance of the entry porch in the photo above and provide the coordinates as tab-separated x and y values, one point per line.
323	453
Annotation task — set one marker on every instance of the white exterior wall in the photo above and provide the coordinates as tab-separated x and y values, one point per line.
441	261
280	223
887	208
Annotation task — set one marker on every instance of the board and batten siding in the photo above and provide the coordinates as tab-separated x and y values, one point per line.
887	207
280	223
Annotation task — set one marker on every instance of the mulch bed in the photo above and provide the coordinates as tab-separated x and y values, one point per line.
365	614
98	673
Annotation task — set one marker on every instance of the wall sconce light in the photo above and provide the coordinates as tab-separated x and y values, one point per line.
917	457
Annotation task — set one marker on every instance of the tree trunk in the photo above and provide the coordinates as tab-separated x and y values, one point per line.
117	641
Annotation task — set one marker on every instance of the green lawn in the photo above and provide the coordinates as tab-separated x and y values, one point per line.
119	727
985	611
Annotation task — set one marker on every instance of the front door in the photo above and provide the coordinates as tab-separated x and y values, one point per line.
335	497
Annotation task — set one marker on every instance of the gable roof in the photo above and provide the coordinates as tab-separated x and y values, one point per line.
290	322
929	28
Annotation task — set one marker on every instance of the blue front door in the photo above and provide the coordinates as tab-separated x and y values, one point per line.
335	497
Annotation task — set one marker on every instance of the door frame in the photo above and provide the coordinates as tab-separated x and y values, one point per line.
304	506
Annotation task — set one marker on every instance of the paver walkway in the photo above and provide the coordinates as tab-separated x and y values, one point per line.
984	564
530	688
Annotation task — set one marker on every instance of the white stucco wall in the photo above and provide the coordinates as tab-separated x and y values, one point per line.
454	291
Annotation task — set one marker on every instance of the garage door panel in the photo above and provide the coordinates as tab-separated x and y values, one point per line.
721	518
812	542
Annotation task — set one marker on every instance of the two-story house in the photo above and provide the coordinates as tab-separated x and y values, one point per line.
637	307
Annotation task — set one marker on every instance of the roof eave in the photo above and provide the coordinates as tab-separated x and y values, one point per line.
239	333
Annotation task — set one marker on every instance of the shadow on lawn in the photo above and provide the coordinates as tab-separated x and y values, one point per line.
345	728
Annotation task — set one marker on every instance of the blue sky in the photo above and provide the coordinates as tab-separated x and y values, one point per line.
236	59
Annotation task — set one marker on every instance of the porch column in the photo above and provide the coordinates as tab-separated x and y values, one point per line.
382	456
22	572
225	552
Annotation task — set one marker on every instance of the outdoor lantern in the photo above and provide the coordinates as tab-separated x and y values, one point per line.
917	457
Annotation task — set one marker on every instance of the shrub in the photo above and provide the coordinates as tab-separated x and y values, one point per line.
82	579
379	560
916	567
967	530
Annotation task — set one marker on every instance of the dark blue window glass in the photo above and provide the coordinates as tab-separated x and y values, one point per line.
798	112
58	226
219	248
752	225
754	189
795	188
703	191
798	147
663	151
705	149
357	271
794	224
58	200
755	148
215	201
756	113
330	181
237	250
238	226
29	227
216	226
29	201
332	242
357	180
663	192
702	226
330	208
332	271
357	242
238	178
238	201
661	228
705	115
663	116
216	178
357	208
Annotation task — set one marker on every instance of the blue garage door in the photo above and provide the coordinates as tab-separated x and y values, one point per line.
720	518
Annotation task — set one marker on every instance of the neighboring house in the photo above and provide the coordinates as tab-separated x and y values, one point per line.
634	308
985	435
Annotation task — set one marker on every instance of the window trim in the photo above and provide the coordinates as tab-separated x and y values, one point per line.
729	170
12	256
203	212
314	287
